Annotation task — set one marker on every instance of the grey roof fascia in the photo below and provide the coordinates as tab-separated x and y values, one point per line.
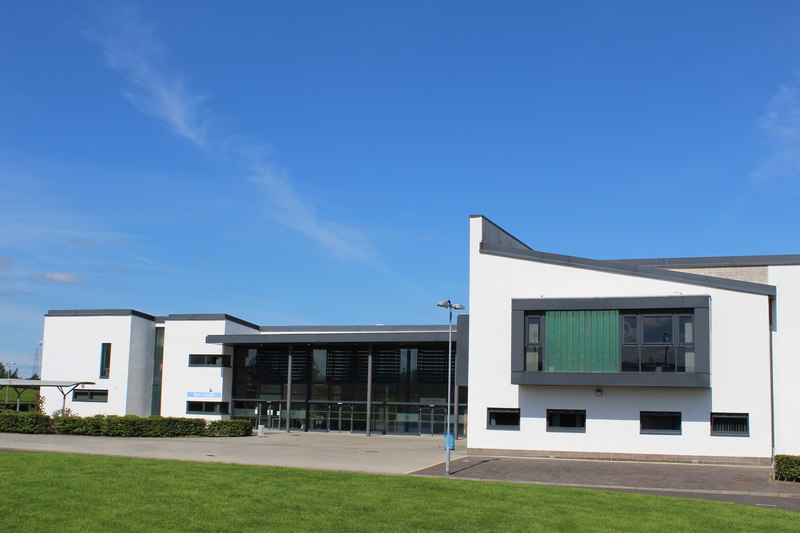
99	312
344	337
12	382
491	233
629	269
711	262
352	329
212	316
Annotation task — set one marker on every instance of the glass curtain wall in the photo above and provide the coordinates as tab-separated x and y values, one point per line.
329	387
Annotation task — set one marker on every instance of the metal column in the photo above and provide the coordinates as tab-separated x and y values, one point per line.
369	391
289	394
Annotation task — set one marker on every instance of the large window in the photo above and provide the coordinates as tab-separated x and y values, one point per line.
660	422
212	408
570	420
730	424
85	395
105	360
607	341
657	342
498	418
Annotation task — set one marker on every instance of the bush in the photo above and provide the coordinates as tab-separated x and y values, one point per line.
24	422
229	428
787	467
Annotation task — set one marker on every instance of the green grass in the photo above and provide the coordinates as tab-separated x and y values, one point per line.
61	492
27	395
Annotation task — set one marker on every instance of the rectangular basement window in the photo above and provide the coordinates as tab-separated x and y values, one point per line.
499	418
730	424
86	395
568	420
659	422
207	408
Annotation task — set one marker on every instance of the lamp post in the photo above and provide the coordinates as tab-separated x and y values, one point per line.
8	375
448	435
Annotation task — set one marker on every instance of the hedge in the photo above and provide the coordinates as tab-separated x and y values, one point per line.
24	422
787	467
122	426
229	428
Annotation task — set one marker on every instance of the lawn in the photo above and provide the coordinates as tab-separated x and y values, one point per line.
27	395
61	492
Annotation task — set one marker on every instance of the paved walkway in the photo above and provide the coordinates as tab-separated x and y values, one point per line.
424	456
737	484
386	454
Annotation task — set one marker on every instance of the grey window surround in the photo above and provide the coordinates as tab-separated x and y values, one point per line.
224	408
90	395
194	361
698	305
501	410
566	429
672	415
739	416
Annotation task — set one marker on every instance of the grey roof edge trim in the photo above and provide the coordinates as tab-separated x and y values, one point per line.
518	244
212	316
621	303
630	270
99	312
720	261
11	382
310	338
352	329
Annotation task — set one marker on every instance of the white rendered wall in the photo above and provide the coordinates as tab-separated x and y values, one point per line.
71	351
739	366
786	358
182	383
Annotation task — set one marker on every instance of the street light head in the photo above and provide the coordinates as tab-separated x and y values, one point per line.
443	303
458	306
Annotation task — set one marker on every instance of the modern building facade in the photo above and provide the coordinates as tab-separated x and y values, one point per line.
689	359
328	378
673	359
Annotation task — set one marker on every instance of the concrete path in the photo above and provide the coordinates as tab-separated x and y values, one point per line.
749	485
325	451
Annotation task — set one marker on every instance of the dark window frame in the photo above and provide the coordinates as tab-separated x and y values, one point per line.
551	413
102	395
699	306
734	416
673	344
491	421
105	360
224	408
208	360
664	415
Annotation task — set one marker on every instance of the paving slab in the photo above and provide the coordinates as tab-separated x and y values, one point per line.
385	454
737	484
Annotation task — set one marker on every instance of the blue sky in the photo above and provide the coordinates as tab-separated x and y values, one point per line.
316	162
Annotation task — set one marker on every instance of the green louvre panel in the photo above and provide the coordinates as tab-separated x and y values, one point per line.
581	341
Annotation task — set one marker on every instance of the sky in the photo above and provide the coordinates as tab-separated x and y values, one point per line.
316	162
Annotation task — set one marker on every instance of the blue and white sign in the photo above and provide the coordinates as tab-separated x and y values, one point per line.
204	394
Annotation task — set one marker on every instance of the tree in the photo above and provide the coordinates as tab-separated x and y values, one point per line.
5	374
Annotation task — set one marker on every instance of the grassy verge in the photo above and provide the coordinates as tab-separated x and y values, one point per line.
61	492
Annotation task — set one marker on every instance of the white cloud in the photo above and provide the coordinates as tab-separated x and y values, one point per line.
781	124
60	277
132	49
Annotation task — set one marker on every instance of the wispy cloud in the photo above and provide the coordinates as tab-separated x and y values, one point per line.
131	48
781	124
6	263
59	277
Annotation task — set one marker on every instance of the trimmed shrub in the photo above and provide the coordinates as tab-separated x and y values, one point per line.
124	426
157	426
229	428
24	422
787	467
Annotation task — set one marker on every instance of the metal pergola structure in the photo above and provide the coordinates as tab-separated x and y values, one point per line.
64	387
